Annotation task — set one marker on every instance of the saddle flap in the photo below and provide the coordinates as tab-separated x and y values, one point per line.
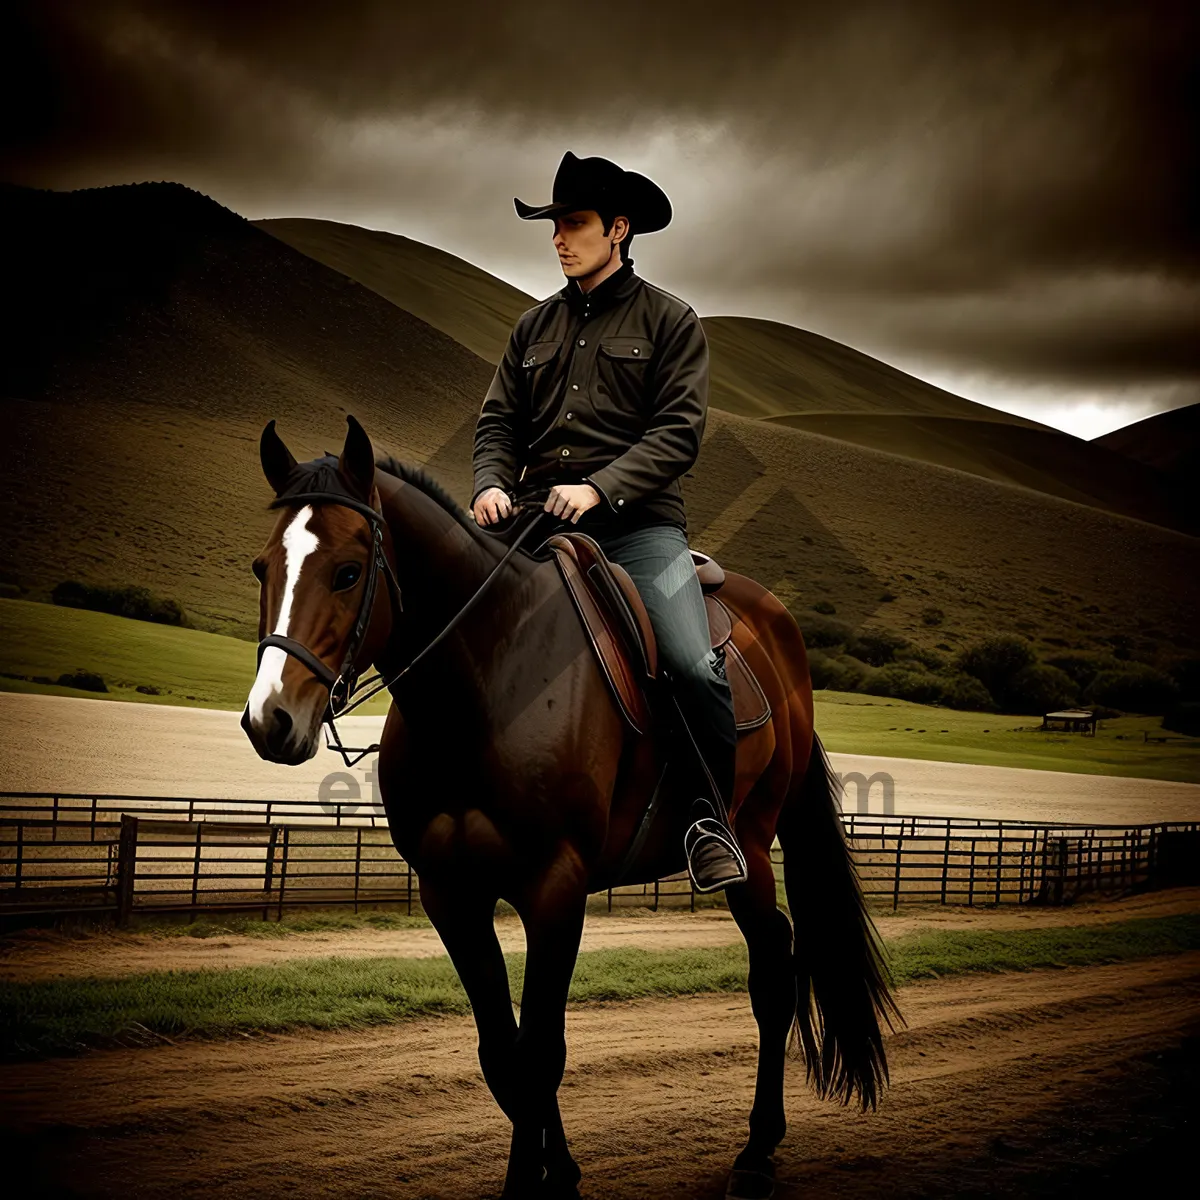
622	634
607	644
720	623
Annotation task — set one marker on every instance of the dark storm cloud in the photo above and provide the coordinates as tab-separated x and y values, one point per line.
960	175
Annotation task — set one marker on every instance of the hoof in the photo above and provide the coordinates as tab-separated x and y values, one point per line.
749	1185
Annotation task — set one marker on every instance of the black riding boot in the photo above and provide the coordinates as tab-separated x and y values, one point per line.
713	856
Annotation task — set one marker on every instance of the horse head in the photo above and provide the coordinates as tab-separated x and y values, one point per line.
318	623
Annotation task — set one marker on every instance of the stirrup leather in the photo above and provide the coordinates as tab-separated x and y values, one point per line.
706	828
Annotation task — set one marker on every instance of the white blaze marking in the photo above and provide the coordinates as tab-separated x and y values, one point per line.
298	543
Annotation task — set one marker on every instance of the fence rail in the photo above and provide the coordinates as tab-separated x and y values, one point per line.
67	853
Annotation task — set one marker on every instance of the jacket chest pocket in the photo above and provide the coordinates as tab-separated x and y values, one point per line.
624	365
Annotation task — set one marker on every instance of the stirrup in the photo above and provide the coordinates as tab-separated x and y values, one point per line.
710	829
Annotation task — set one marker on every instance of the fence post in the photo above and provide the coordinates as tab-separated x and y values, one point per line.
946	862
126	867
287	831
899	855
999	861
196	874
357	866
269	870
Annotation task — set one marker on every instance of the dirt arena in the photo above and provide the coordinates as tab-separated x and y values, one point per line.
1046	1083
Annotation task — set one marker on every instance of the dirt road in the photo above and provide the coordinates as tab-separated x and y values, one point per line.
72	745
34	954
1037	1084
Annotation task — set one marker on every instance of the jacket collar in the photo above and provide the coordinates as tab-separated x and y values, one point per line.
619	285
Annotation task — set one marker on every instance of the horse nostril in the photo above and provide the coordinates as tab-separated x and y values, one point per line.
280	730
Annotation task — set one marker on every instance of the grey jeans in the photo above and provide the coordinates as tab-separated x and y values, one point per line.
660	564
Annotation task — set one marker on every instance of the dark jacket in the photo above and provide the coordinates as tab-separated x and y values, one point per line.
608	387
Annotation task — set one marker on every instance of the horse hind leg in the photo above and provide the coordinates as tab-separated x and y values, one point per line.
772	986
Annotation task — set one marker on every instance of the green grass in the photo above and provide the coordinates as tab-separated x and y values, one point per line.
188	666
853	723
61	1016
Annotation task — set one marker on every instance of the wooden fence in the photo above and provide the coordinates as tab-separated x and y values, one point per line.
64	854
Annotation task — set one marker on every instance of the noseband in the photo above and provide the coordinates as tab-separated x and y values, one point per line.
342	685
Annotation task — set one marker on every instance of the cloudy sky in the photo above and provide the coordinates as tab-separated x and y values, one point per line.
998	197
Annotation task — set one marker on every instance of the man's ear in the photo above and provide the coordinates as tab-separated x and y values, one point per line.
276	458
357	461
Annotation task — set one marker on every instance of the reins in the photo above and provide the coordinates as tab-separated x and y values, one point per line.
345	683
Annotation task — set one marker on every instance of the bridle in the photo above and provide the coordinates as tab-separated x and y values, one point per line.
343	684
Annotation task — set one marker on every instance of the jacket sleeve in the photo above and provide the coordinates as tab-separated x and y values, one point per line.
671	442
495	453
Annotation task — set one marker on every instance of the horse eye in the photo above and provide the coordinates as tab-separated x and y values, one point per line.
260	570
346	577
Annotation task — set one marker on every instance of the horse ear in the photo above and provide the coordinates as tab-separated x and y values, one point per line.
277	460
357	463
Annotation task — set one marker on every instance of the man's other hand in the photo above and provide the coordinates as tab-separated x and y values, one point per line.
571	500
492	506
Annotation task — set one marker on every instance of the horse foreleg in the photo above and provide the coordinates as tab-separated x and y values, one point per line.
772	985
540	1164
466	925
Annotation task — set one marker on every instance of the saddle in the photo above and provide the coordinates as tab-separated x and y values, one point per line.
618	626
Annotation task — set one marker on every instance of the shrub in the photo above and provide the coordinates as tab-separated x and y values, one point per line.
837	674
876	646
1083	667
822	631
1041	688
139	603
904	683
824	606
995	661
1186	673
1183	717
1136	688
965	692
87	680
931	660
932	616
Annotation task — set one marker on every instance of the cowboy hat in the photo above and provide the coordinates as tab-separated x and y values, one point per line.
595	182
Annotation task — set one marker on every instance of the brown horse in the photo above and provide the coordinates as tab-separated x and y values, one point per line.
507	772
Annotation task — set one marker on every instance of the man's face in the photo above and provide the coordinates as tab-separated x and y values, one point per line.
582	245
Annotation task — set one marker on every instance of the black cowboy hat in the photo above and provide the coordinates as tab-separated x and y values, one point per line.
582	183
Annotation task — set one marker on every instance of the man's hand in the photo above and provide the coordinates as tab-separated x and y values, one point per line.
492	506
571	500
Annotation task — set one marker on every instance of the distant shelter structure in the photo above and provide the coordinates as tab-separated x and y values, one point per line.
1072	720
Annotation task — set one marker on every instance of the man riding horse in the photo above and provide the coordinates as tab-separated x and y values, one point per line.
601	397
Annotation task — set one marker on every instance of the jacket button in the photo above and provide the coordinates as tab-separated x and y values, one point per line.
565	452
569	416
574	387
620	501
636	350
583	341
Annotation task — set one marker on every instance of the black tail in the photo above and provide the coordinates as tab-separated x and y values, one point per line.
843	983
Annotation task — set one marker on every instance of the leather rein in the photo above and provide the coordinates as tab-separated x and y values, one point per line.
343	684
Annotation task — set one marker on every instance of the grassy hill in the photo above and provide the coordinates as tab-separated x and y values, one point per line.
1045	459
157	333
767	370
160	331
462	300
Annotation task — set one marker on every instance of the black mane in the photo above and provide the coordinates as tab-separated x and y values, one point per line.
417	475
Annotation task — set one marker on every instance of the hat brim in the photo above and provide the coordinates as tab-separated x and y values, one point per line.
531	212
